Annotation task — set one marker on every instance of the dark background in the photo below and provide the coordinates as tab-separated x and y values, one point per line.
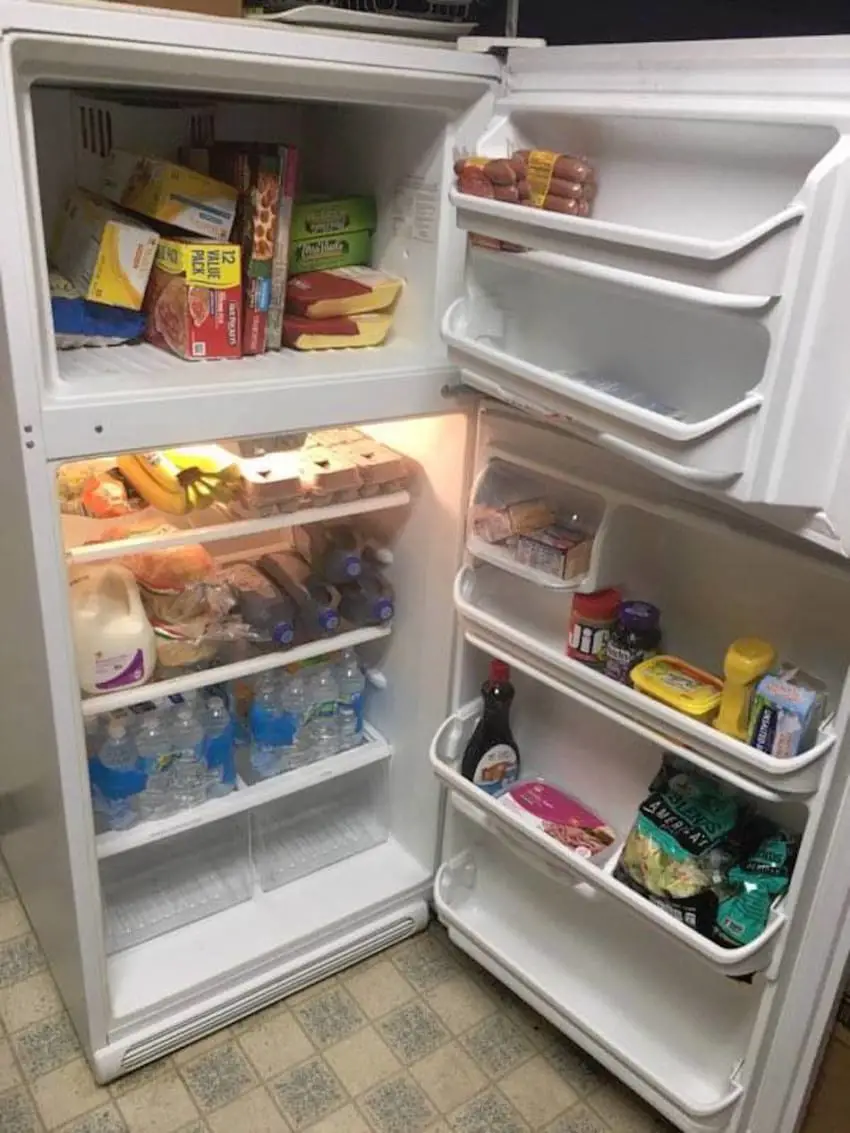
618	21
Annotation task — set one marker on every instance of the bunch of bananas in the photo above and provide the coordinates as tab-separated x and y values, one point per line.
179	480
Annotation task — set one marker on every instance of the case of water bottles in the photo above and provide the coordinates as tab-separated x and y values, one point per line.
161	887
300	834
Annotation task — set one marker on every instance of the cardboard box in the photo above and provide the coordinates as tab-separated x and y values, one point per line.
106	255
280	263
333	216
194	301
171	193
322	253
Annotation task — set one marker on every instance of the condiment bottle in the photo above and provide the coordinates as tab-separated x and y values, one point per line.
491	759
636	636
592	619
747	661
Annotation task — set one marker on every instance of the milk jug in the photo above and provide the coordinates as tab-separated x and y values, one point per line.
113	639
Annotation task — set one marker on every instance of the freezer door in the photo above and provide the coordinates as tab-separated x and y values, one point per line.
693	322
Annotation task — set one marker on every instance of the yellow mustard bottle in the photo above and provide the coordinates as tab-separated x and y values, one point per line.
747	661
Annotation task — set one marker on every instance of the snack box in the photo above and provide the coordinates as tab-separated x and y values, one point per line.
194	301
103	253
321	253
171	193
342	292
333	216
681	686
788	708
280	260
563	552
256	172
334	334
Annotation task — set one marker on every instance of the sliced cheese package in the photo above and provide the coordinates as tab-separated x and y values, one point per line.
341	292
337	333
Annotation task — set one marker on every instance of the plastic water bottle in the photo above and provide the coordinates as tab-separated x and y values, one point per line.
265	722
368	602
294	704
153	743
189	769
323	729
316	601
352	686
218	748
115	778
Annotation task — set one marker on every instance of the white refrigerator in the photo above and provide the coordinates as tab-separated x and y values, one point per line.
709	290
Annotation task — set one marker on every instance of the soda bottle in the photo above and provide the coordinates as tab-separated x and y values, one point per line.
491	759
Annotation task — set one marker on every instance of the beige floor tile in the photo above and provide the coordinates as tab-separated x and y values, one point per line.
460	1003
330	1017
537	1092
153	1072
624	1112
346	1120
67	1093
202	1046
17	1113
254	1113
449	1077
398	1106
498	1045
107	1119
379	989
45	1046
274	1043
308	992
218	1077
362	1061
13	920
424	961
28	1002
162	1105
308	1093
579	1119
10	1075
489	1112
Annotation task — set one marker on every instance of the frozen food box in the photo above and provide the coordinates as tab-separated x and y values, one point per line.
788	708
194	301
326	252
171	193
333	216
103	253
280	261
342	292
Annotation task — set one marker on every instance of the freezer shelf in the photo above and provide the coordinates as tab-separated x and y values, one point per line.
650	1012
565	867
248	797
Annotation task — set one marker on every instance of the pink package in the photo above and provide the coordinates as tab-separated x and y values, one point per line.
543	807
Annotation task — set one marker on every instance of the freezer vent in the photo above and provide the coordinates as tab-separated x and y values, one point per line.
169	1041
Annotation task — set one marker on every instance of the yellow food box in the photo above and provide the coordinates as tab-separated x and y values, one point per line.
104	254
171	193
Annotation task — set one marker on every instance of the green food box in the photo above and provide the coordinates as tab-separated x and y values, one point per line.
326	252
333	216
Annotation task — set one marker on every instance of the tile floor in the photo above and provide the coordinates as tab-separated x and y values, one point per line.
419	1038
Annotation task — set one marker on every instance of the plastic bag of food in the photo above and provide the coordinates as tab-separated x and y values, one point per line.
174	580
686	838
754	886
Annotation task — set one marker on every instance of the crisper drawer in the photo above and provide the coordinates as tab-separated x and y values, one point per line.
672	1030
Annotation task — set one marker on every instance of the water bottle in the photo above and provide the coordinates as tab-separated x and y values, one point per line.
368	602
189	769
116	779
352	686
265	724
333	551
316	601
323	729
294	704
153	743
218	748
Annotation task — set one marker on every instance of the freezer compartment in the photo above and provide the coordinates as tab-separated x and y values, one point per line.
660	371
609	771
317	828
541	527
648	1010
701	199
160	888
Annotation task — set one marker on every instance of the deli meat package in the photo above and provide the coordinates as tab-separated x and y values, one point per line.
341	293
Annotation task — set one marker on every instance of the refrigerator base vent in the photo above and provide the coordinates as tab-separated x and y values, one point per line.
165	1043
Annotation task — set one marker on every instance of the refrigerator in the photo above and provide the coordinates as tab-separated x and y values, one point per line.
711	463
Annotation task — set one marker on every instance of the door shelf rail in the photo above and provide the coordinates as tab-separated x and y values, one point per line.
568	868
247	797
759	774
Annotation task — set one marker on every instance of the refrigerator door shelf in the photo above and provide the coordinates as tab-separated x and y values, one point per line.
350	639
568	867
758	774
508	479
215	525
248	797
